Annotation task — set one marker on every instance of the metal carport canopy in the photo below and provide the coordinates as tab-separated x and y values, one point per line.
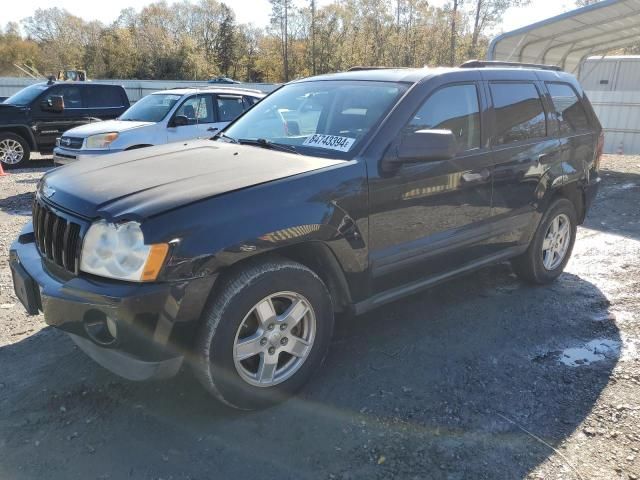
567	39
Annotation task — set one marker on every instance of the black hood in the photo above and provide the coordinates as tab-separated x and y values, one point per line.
142	183
10	113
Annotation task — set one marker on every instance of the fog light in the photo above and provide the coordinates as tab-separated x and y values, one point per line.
112	327
100	328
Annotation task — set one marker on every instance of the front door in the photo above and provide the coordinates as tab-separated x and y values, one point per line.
198	109
433	216
51	125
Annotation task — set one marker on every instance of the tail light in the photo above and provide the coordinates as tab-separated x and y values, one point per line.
599	150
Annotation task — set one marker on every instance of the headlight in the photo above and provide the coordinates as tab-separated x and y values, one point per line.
118	251
101	141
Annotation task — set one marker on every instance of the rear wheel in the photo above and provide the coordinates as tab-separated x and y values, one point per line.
264	334
551	246
14	150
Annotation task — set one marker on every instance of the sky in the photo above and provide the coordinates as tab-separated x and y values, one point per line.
249	11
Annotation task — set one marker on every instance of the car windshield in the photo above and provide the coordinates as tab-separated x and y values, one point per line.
26	95
326	118
151	108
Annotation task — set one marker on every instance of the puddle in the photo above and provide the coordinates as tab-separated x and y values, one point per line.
594	351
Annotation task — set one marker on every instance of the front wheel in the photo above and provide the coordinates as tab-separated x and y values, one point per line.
14	150
264	334
551	246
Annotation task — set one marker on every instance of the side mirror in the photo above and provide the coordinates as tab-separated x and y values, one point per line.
180	121
54	103
426	146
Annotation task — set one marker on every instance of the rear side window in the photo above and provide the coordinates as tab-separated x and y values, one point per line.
519	113
571	114
103	96
229	108
452	108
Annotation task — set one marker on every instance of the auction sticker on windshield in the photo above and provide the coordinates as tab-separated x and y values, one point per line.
331	142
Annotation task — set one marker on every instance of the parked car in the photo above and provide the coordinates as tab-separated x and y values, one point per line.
34	117
235	254
162	117
226	80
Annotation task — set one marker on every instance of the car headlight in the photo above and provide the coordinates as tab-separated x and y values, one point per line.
118	251
101	141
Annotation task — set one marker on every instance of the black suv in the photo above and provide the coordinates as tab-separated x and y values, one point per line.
33	118
334	194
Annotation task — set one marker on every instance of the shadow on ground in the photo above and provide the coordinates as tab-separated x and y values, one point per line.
616	195
439	386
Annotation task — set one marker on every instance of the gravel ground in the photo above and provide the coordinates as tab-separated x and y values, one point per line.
481	378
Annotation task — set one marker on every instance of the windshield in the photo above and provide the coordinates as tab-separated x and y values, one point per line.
328	118
151	108
26	95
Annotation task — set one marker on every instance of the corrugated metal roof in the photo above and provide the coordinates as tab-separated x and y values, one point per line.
567	39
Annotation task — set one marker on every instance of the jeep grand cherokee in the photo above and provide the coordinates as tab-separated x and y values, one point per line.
336	193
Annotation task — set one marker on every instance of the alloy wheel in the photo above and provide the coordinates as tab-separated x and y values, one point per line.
274	339
11	151
556	242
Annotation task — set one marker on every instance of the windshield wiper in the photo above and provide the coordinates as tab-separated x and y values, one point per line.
264	143
225	136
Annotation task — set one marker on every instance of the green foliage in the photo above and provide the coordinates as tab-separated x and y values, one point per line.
197	40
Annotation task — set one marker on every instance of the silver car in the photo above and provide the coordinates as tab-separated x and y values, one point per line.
161	117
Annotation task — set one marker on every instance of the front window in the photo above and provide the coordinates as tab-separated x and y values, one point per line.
327	118
151	108
26	95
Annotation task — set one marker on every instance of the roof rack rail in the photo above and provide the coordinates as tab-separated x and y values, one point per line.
359	68
216	87
497	63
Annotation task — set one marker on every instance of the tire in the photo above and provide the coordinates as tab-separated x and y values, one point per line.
230	318
537	265
14	150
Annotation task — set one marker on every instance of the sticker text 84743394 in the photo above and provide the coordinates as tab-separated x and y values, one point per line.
331	142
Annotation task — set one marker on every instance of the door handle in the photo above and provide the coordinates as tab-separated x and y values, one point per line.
481	176
212	129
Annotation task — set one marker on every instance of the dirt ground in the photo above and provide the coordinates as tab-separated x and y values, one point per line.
481	378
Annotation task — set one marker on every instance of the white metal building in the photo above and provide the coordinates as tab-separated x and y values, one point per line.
571	41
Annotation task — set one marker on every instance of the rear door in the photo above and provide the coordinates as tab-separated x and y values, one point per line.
431	217
103	102
524	148
578	138
51	125
228	108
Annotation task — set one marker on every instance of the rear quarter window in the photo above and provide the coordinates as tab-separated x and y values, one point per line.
103	96
519	114
569	110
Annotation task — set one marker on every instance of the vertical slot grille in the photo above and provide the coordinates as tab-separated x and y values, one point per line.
57	239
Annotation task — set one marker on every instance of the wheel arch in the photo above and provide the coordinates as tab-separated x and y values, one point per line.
135	147
23	131
315	255
575	194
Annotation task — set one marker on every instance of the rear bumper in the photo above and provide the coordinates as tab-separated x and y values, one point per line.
62	156
144	317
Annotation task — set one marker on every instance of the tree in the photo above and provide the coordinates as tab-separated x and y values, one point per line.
280	11
226	40
487	14
454	33
194	39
